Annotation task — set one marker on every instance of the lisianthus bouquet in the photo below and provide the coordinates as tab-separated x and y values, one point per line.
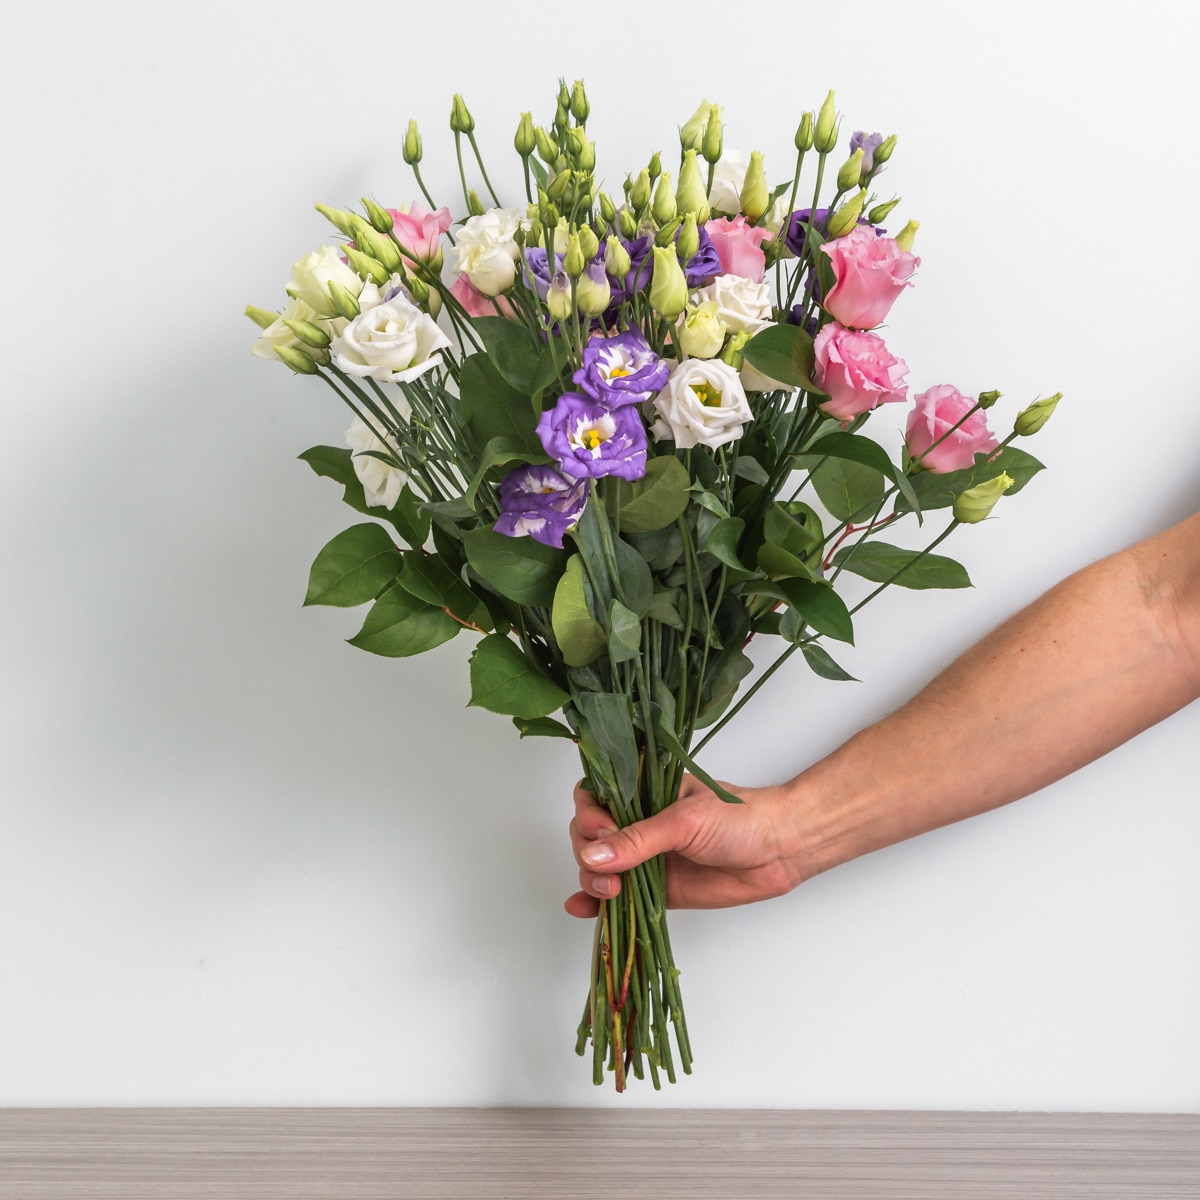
615	438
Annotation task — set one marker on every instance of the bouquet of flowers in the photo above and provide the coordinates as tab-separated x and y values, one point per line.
616	438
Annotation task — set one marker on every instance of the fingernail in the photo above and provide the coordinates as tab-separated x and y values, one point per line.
606	832
597	852
603	885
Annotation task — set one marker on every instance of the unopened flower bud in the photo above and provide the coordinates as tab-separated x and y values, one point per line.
574	259
654	167
884	150
664	208
579	102
547	150
976	503
474	204
851	172
342	220
564	96
825	133
639	192
804	133
559	189
418	289
713	135
691	132
558	296
668	287
616	258
666	235
732	354
593	291
627	225
1031	419
688	241
987	399
755	198
589	243
524	141
297	360
264	317
906	236
380	218
344	301
583	149
880	212
608	210
461	120
366	266
309	334
379	247
691	196
412	144
561	119
533	236
701	333
847	216
550	216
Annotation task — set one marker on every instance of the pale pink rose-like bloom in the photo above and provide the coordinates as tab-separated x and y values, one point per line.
418	230
935	413
477	304
870	273
857	370
738	245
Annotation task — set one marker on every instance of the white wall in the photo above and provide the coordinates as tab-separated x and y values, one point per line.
243	863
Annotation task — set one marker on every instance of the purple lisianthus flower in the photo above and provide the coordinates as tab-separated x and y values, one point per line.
797	227
698	271
537	272
589	440
541	503
621	370
868	143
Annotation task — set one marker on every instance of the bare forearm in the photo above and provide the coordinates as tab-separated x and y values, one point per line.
1102	656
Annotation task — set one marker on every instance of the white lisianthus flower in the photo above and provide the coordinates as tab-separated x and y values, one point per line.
485	251
701	332
381	481
744	307
312	275
703	404
393	342
278	334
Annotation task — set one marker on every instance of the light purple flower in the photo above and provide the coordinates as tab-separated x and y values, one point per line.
621	370
589	440
868	143
540	503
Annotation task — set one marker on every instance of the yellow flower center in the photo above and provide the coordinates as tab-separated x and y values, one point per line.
707	395
619	372
591	438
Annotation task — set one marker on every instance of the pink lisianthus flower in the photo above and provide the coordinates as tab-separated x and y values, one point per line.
418	230
936	412
476	303
857	370
870	272
738	246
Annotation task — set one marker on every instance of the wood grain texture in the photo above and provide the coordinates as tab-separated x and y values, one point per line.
564	1154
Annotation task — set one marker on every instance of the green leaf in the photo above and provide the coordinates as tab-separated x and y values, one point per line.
520	568
853	447
732	667
332	462
428	578
495	409
821	607
654	501
579	635
497	452
784	352
542	727
624	633
400	625
723	540
664	608
512	350
878	562
848	489
637	584
750	469
503	680
818	658
941	491
353	567
609	720
778	563
667	737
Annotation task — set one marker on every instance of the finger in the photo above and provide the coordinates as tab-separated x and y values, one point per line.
582	905
635	843
591	817
603	886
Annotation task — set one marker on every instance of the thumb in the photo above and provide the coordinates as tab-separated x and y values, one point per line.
635	843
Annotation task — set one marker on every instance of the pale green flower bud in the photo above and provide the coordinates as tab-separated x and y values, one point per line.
589	243
418	289
616	258
906	236
884	150
561	119
714	139
639	192
755	197
474	204
344	301
461	120
825	133
654	167
583	149
380	218
309	334
412	145
264	318
664	208
668	287
547	150
850	174
524	141
593	291
627	225
381	248
976	503
342	220
580	108
804	133
880	212
559	188
297	360
608	210
691	196
987	399
847	216
732	354
365	266
691	132
534	235
1031	419
688	241
550	216
574	259
666	235
558	297
702	332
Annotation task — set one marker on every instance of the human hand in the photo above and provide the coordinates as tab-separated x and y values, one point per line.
718	854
